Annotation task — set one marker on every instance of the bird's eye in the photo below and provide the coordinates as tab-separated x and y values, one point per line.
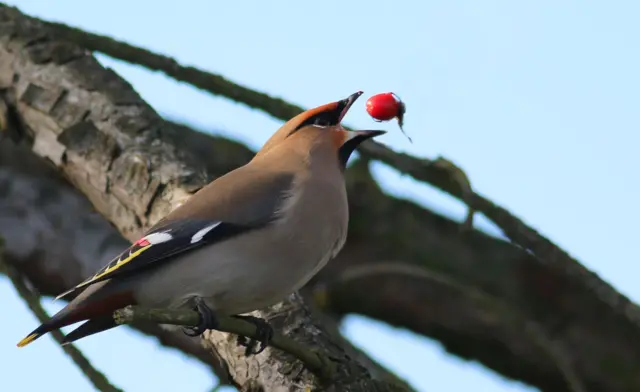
321	121
325	119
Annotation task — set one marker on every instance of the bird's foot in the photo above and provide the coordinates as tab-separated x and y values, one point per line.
208	319
264	335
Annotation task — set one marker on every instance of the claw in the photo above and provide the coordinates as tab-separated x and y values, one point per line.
264	335
207	319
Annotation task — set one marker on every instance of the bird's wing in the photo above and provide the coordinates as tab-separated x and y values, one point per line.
257	204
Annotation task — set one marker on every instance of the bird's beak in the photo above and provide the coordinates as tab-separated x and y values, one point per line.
357	137
343	106
352	141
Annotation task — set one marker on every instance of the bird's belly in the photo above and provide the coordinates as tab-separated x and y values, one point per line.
240	275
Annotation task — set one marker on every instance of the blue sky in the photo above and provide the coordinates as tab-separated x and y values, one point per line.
537	101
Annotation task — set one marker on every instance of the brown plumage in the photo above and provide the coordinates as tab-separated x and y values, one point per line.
241	243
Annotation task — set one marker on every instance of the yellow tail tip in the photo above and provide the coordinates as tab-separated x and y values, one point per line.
27	340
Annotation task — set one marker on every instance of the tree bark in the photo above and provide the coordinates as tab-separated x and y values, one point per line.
403	264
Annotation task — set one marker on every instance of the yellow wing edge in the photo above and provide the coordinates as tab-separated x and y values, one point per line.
103	273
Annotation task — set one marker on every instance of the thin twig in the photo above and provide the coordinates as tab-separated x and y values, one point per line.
444	177
313	360
32	299
532	328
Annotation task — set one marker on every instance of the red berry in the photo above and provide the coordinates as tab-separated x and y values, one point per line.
384	107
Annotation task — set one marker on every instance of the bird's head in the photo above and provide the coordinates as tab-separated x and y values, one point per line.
322	124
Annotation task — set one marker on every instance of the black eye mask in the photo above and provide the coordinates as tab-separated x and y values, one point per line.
323	119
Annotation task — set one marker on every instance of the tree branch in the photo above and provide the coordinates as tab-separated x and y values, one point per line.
314	361
532	329
441	173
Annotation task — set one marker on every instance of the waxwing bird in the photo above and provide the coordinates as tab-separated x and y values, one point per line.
243	242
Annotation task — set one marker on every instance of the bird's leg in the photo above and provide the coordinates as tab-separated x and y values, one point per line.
264	334
207	319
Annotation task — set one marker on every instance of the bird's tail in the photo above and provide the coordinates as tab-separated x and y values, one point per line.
31	337
91	327
95	308
50	325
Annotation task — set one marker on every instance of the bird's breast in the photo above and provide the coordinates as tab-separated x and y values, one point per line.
315	220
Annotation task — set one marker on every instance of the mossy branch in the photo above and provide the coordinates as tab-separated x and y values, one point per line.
530	327
441	172
32	299
314	361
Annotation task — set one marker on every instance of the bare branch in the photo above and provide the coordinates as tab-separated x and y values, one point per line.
313	360
532	329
